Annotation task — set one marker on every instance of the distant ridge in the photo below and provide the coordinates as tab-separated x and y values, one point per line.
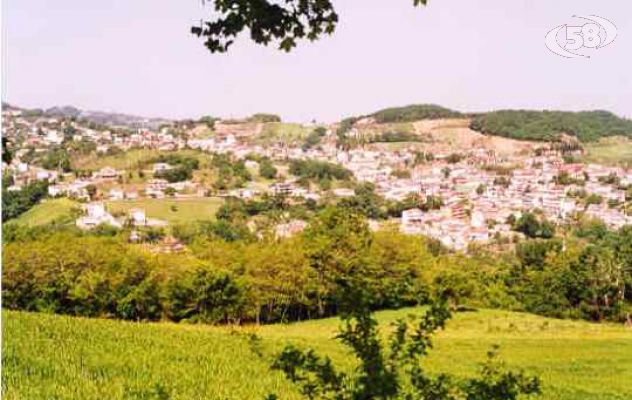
535	125
538	125
98	117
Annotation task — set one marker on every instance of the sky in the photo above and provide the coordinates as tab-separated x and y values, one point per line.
139	57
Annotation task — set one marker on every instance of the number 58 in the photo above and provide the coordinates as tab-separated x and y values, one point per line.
582	36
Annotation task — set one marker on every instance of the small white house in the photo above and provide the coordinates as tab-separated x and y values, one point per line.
116	194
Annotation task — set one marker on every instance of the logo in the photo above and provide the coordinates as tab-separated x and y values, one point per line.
593	35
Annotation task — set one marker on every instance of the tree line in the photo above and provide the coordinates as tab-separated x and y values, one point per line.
230	275
586	126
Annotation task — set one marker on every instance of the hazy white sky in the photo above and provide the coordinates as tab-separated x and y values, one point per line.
137	56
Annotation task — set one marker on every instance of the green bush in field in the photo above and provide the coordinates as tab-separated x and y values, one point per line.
392	371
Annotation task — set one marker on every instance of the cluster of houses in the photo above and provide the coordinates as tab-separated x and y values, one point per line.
478	192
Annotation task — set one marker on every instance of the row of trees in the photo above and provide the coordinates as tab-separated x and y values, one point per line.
230	275
218	281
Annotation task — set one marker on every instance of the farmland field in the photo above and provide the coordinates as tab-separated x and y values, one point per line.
174	211
47	356
47	211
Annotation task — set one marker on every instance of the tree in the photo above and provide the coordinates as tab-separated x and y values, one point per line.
7	153
365	201
283	22
14	203
267	169
530	226
92	191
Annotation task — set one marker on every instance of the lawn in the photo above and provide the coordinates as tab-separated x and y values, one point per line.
47	211
47	356
174	211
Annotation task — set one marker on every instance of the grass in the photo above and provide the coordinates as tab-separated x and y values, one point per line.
610	151
47	211
284	132
400	127
129	160
47	356
185	211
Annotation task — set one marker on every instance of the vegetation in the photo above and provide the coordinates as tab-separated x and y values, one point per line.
393	371
283	132
587	126
609	151
414	113
183	167
50	356
268	280
57	159
532	227
267	169
262	117
231	173
47	212
187	210
313	139
395	137
283	23
318	170
15	203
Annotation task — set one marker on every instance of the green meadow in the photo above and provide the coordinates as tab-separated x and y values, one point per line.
610	151
283	132
129	160
57	357
174	211
49	210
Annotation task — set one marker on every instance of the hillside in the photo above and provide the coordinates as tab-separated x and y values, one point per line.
587	126
413	113
446	135
547	125
48	211
47	356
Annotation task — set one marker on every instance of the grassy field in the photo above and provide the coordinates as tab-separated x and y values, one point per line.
130	159
186	210
47	211
284	132
46	356
610	151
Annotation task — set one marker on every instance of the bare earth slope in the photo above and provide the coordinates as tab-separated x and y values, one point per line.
455	134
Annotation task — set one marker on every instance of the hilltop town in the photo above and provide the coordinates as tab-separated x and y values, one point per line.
434	177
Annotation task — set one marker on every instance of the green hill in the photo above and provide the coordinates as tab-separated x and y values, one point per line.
587	126
47	356
413	113
49	210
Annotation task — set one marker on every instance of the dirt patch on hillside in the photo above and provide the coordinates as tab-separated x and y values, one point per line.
455	134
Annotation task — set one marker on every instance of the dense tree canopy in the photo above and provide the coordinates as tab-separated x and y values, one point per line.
550	125
229	274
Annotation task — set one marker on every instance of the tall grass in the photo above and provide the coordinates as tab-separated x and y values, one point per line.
55	357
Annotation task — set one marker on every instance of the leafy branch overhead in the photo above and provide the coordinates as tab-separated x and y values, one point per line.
282	21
